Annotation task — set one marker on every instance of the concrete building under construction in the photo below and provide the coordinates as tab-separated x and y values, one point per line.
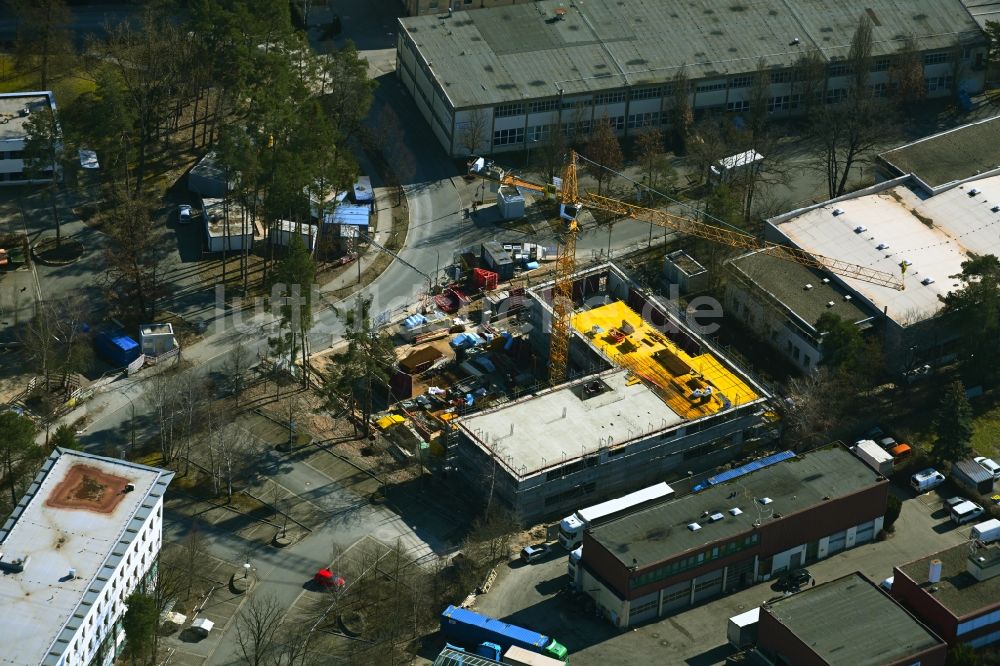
647	399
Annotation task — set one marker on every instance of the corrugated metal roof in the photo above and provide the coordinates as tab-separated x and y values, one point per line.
971	470
506	54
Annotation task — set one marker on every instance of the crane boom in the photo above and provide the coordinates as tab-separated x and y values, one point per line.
740	240
571	200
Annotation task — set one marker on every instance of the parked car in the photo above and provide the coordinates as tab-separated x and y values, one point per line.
965	512
534	553
184	214
952	502
989	465
897	450
791	581
926	479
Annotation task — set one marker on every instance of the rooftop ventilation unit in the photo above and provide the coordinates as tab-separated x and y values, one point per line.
838	211
807	287
735	511
882	246
927	280
906	262
765	500
934	571
829	304
974	191
694	527
995	209
847	297
860	229
715	517
826	280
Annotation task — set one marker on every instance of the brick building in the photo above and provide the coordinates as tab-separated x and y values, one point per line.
732	535
956	592
846	622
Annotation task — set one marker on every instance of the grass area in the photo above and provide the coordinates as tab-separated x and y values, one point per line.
986	437
66	86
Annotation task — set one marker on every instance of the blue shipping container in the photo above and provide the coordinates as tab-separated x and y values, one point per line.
471	628
116	348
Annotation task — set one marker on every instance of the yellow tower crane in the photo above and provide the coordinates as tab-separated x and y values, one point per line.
571	201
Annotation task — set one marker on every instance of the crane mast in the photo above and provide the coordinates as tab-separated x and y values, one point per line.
562	290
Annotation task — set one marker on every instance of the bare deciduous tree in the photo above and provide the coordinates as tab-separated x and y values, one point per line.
603	148
907	75
258	629
848	129
236	369
809	79
473	132
231	450
681	114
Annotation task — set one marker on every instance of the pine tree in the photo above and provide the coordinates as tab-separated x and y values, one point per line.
296	275
953	425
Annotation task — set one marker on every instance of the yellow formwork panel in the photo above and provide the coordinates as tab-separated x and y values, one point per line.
692	386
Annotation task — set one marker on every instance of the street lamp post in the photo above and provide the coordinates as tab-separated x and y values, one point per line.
527	154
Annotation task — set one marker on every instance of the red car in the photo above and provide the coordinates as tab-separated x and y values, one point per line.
326	579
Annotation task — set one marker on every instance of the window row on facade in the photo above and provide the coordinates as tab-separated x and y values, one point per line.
680	566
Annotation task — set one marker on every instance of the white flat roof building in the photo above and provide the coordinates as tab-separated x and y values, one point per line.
236	234
895	222
15	111
80	541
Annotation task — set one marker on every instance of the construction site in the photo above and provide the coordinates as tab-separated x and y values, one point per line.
646	397
582	386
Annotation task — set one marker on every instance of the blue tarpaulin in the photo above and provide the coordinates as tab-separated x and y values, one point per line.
463	340
414	320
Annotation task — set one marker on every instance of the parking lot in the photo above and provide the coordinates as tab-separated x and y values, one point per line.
532	595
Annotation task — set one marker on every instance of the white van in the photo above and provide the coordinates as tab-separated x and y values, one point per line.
926	479
965	512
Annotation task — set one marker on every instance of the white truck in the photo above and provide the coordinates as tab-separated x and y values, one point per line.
874	456
986	531
573	567
571	527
